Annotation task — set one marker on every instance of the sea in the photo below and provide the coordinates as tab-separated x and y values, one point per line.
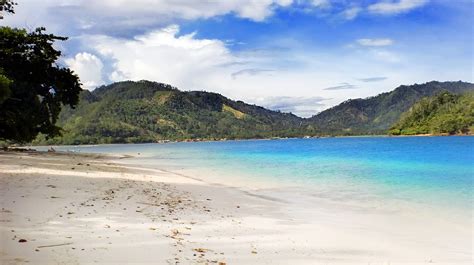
435	173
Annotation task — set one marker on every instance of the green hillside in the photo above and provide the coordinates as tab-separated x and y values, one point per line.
442	114
147	111
144	111
375	115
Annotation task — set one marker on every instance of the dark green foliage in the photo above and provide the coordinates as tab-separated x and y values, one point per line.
32	86
130	112
144	111
6	6
5	83
375	115
445	113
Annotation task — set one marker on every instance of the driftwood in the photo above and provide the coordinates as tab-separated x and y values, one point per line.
56	245
150	204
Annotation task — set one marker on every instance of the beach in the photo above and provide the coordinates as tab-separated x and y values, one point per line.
66	208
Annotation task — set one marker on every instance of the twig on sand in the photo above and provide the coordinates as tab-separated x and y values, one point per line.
56	245
151	204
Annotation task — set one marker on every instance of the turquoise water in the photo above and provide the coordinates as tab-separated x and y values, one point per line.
427	170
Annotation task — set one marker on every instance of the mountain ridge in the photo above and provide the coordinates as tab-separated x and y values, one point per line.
375	115
145	111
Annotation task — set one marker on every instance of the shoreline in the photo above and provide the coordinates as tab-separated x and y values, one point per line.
254	139
239	140
87	208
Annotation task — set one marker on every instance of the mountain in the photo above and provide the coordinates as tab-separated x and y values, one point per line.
375	115
148	111
144	111
445	113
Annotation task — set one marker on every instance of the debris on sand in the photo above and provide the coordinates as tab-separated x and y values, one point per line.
55	245
22	241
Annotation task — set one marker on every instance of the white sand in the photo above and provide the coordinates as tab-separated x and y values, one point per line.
75	209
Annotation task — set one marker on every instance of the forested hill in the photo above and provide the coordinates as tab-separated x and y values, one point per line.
445	113
144	111
148	111
377	114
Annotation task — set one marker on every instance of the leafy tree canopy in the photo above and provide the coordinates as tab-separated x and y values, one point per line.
143	111
445	113
6	6
32	86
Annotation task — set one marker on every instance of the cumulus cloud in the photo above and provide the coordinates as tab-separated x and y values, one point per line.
375	42
89	69
163	55
341	86
395	7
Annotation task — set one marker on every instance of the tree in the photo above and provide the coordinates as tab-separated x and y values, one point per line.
6	6
4	87
33	87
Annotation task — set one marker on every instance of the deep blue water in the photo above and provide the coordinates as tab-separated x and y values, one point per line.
430	170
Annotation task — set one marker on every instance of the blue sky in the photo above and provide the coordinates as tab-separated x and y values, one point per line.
299	56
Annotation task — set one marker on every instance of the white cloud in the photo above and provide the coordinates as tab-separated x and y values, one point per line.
251	71
119	17
256	10
385	56
89	69
372	79
321	3
351	12
341	86
162	55
375	42
301	106
291	76
269	65
191	63
122	16
395	7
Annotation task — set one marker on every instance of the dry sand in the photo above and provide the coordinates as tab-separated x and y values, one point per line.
88	209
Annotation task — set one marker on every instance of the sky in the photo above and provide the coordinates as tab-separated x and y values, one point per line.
299	56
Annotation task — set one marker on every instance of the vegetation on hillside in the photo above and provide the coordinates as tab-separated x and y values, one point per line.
375	115
130	112
445	113
144	111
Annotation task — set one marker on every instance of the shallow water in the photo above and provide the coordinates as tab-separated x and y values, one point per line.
434	172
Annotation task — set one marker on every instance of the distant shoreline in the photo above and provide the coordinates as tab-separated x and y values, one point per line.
255	139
